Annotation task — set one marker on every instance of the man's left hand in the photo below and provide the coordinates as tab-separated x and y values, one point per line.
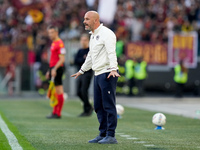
114	74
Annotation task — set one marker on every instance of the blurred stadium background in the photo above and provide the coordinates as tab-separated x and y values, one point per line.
162	31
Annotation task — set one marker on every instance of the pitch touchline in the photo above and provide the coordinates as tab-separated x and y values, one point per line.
13	142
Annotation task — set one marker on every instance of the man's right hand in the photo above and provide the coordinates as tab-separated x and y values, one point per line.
76	75
47	75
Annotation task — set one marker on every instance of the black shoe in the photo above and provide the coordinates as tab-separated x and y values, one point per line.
86	114
82	114
53	116
90	112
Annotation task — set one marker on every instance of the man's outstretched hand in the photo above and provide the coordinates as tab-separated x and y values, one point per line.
114	74
76	75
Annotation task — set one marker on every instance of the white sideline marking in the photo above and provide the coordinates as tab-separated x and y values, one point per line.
128	137
149	145
142	142
13	142
125	135
119	133
132	138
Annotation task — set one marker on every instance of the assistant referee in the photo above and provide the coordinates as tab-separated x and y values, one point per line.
56	69
103	60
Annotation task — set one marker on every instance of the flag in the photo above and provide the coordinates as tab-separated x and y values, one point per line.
51	94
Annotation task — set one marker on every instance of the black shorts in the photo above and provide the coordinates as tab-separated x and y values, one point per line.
59	74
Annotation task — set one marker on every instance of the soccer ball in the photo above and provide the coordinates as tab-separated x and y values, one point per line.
159	119
120	109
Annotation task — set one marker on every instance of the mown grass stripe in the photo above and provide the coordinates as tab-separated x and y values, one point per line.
12	140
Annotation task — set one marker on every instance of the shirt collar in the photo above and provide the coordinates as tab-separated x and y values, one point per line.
97	29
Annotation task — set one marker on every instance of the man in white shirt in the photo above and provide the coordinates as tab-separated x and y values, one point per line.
102	59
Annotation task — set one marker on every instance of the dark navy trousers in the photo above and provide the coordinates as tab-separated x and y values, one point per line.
105	103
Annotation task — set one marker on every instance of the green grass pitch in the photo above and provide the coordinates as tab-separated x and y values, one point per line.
26	119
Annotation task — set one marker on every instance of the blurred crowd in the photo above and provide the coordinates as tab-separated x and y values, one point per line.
134	20
152	20
24	23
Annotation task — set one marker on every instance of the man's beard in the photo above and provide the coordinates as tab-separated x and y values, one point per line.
88	27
